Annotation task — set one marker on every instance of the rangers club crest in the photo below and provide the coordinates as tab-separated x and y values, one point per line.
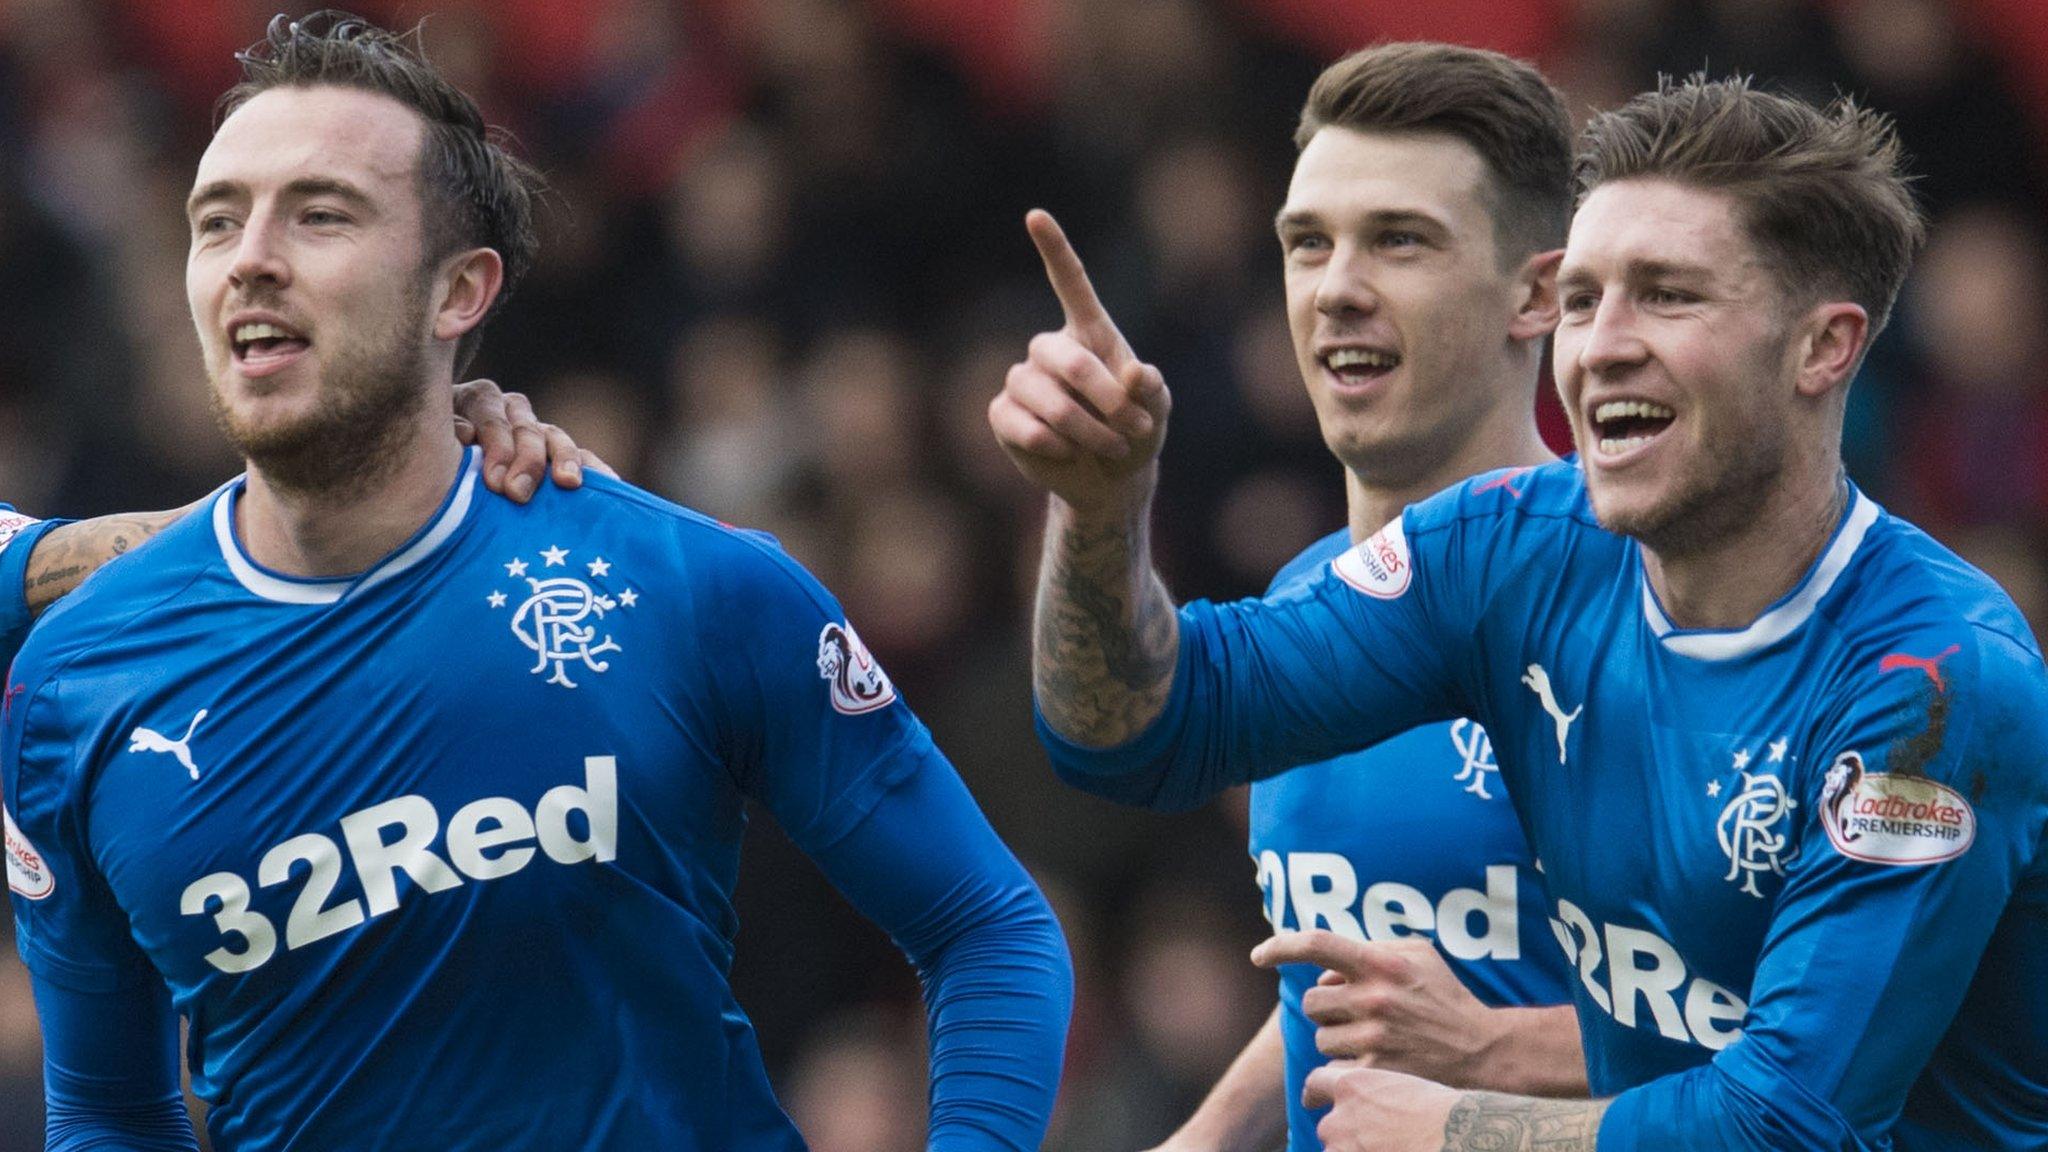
562	619
858	683
1753	830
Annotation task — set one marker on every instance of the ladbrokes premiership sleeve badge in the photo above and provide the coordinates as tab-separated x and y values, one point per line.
1885	818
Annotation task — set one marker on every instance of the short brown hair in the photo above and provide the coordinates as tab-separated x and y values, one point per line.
1822	192
1499	105
475	192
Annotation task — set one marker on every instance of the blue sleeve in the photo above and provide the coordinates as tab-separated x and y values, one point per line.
998	984
812	726
110	1039
110	1070
18	538
67	925
1372	646
817	733
1922	806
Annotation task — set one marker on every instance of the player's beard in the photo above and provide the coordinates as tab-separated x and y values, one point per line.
1712	502
371	392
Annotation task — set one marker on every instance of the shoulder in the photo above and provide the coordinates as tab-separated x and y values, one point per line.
122	592
1928	642
1481	531
1906	584
732	565
1310	560
1547	497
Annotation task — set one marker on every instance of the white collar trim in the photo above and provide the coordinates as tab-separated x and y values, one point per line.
1784	617
286	590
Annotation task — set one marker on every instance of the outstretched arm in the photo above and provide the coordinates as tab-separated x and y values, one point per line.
1085	419
1105	635
68	553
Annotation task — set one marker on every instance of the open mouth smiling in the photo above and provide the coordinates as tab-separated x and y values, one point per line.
1359	366
1624	427
264	346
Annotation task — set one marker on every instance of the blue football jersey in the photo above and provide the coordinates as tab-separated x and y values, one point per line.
1357	845
18	537
442	855
1797	866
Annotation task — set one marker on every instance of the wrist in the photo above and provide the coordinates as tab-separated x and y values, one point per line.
1529	1052
1114	505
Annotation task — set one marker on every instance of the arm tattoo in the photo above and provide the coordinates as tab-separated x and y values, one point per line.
67	555
1491	1122
1106	635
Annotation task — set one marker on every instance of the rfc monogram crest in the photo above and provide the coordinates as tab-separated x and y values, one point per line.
1476	747
1754	830
562	618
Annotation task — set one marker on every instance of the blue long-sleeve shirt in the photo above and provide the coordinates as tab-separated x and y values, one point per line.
442	855
1798	867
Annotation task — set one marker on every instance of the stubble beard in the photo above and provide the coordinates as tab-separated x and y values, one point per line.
1709	506
370	394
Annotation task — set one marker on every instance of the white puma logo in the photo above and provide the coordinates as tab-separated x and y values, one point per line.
150	740
1539	682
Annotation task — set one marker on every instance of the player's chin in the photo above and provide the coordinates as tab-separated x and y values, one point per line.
268	411
1631	505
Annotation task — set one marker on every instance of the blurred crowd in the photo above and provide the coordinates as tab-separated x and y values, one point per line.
783	272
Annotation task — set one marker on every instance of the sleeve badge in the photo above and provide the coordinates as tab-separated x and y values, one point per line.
858	683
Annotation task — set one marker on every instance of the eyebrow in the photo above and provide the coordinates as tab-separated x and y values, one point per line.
303	188
1666	270
1639	270
1304	218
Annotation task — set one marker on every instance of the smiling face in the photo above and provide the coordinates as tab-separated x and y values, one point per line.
1398	304
1675	362
306	276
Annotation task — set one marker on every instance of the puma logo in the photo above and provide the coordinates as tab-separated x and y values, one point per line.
1928	664
1505	480
150	740
1539	682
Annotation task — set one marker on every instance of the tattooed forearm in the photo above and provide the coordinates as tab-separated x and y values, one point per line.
1490	1122
67	555
1107	635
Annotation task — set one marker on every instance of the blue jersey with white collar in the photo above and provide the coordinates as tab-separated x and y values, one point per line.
1357	845
443	855
1798	867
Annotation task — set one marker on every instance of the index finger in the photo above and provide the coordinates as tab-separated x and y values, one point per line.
1349	958
1063	268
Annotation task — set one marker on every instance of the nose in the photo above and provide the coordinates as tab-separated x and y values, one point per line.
1610	342
258	256
1346	286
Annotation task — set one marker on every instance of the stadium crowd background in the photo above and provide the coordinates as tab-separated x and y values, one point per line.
783	273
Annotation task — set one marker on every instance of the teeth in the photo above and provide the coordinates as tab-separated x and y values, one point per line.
1640	409
247	333
1616	445
1360	358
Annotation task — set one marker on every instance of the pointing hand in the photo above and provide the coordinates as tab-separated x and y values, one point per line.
1081	415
